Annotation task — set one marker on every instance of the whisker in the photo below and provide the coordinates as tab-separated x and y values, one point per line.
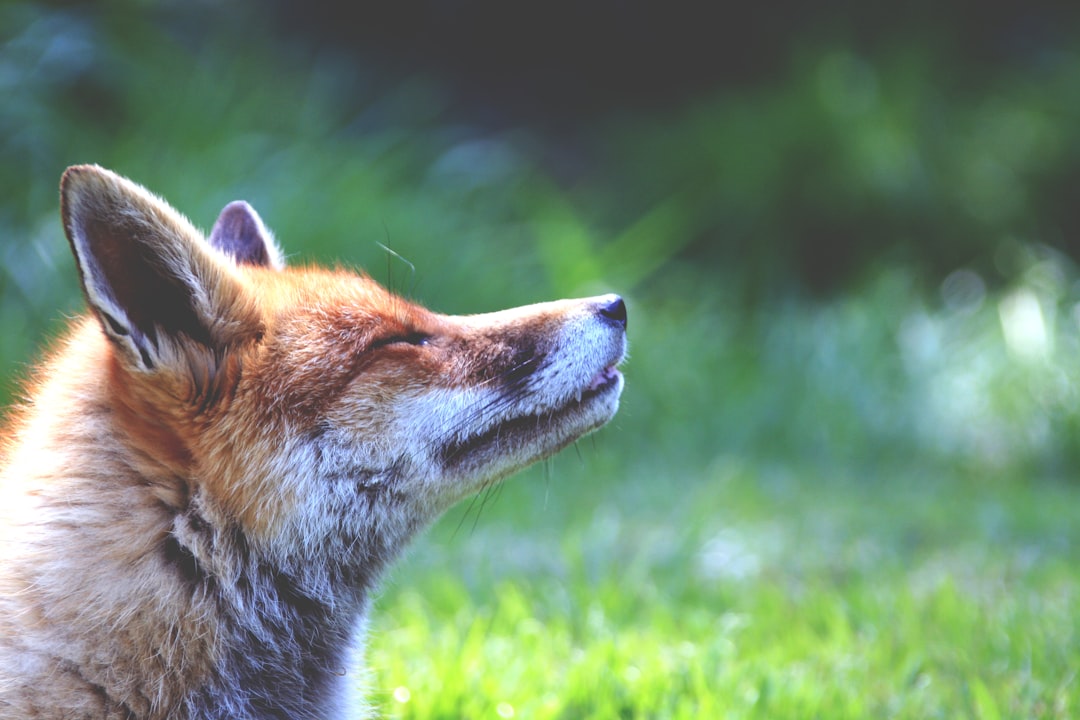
483	503
514	389
548	467
389	267
492	494
464	515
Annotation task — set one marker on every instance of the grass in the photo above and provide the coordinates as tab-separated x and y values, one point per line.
746	593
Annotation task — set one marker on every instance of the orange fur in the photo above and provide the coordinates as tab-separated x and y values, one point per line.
214	466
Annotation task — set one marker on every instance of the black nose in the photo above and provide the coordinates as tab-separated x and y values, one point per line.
614	309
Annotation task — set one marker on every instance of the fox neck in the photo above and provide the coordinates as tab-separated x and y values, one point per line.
287	624
275	617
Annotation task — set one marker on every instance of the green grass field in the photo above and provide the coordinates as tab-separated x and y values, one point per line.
858	505
738	592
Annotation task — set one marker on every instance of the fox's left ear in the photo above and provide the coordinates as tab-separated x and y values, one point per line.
239	232
148	275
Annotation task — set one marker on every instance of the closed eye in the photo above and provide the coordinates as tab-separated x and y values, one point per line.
413	338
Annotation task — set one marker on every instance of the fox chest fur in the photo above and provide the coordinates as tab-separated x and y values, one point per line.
215	464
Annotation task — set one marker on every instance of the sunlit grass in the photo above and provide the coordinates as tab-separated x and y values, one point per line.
916	600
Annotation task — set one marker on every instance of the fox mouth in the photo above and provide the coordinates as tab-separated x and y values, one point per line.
603	380
524	439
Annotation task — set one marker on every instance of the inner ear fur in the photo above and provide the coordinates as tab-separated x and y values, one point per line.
148	275
240	233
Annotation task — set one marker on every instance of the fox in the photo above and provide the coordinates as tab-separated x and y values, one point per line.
214	464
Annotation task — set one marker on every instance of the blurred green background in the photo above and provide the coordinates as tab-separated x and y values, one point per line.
847	236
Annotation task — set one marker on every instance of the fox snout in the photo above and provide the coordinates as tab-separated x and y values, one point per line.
544	375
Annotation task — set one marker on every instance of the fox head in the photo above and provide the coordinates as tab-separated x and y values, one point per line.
313	410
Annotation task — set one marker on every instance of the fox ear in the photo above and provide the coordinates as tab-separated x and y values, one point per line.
239	232
146	272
